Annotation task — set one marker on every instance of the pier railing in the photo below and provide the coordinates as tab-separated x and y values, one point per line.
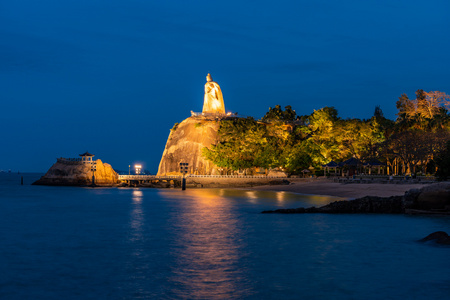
147	177
154	177
397	179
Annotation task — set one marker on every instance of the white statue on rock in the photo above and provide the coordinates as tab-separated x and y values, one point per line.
213	100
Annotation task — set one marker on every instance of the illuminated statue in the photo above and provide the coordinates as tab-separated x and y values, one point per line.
213	100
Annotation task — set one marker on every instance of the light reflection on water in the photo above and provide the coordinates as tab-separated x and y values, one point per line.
211	249
211	238
136	217
207	253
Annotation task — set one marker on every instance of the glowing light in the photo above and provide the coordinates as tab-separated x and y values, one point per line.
138	169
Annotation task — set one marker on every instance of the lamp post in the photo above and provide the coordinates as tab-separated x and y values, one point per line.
138	169
183	171
129	169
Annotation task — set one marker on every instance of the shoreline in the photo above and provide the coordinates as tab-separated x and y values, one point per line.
345	190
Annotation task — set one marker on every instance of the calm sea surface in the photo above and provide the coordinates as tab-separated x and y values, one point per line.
130	243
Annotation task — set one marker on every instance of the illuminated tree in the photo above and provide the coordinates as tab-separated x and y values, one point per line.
426	105
406	107
433	102
277	113
322	143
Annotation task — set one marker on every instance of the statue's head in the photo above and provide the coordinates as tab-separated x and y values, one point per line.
208	77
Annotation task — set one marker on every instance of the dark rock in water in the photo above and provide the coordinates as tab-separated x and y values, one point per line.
440	237
391	205
300	210
368	204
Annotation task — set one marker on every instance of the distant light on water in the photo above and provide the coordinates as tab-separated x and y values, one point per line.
137	195
281	196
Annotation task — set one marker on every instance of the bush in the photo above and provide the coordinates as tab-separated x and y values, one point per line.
175	126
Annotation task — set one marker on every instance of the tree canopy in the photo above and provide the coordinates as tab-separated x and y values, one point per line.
281	139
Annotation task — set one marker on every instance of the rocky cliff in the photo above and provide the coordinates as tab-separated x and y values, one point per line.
77	174
185	143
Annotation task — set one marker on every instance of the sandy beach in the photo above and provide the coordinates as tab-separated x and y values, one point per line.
347	190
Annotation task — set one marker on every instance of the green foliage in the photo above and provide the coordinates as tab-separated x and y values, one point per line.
242	145
296	158
277	113
293	143
175	126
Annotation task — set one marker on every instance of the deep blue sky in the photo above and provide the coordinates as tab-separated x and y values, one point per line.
112	77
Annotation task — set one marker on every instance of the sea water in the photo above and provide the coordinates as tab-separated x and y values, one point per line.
141	243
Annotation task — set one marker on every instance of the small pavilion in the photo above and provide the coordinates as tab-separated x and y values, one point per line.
374	163
352	164
86	158
328	166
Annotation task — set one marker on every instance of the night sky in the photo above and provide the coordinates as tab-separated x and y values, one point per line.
112	77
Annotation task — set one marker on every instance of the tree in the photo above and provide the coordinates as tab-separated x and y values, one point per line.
421	103
277	113
378	113
405	107
426	105
243	144
432	103
289	114
296	158
234	149
322	144
443	163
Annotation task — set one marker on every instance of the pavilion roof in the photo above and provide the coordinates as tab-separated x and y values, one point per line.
352	162
86	154
331	164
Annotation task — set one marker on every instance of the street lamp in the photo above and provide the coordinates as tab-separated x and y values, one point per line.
138	169
183	170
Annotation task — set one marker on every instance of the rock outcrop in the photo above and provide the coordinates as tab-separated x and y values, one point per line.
185	143
78	174
439	237
436	196
368	204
